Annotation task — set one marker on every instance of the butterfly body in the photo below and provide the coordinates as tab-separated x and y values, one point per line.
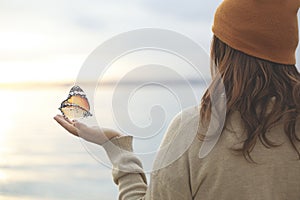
76	105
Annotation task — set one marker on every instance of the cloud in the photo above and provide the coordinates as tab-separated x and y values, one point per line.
34	30
192	10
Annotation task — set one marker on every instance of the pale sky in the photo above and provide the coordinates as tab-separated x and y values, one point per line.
50	40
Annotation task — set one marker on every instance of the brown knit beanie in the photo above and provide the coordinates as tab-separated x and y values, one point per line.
266	29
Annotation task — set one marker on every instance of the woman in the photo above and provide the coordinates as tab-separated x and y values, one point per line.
257	155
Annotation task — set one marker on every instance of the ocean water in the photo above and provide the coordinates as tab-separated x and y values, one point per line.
40	160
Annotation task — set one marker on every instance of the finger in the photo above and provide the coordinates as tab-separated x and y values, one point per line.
60	117
64	117
68	120
83	130
66	125
80	126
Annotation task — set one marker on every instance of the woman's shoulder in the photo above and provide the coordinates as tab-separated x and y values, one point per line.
184	124
179	137
187	118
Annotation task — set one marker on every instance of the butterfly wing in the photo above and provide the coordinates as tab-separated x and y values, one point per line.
76	105
74	111
80	101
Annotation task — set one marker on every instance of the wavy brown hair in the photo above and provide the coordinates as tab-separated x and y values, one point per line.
251	83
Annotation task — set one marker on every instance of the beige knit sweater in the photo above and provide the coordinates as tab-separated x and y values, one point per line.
222	174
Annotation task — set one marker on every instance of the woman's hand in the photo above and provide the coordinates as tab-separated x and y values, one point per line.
95	135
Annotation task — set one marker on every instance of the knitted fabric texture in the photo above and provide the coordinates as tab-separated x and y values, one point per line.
266	29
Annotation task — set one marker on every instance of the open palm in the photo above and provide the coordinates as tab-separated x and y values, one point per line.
94	134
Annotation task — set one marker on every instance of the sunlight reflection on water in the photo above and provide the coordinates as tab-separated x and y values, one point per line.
39	160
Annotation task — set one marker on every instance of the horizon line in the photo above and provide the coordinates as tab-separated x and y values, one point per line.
39	84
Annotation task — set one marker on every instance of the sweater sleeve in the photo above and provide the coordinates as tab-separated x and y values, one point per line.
127	169
168	181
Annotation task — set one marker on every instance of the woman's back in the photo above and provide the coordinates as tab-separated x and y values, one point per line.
275	175
225	173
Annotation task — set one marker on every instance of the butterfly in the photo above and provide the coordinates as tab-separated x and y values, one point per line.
76	105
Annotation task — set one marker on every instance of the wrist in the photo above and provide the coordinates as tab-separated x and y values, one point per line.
111	133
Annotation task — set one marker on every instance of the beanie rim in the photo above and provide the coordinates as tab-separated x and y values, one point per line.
279	60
